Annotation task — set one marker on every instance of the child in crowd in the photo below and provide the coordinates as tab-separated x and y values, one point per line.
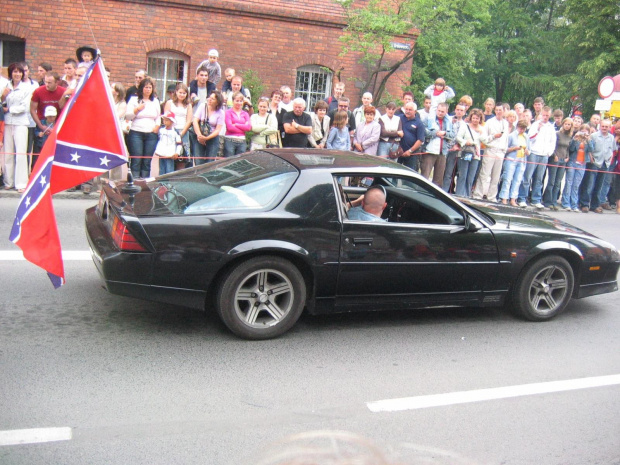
438	93
215	71
169	146
229	73
86	54
50	114
339	137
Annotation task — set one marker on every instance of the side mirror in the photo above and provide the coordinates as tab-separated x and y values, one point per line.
469	226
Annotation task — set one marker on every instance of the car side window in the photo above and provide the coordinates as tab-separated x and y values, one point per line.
409	200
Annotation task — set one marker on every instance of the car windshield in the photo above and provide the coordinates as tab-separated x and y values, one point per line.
255	182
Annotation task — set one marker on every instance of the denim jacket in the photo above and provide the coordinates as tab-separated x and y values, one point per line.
513	141
573	148
435	142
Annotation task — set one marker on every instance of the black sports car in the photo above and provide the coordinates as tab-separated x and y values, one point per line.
261	236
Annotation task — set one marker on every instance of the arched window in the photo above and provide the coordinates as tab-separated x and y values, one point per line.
12	49
313	83
166	67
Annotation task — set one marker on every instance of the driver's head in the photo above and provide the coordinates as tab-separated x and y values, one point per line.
374	200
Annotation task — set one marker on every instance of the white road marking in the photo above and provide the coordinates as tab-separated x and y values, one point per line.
69	255
35	435
464	397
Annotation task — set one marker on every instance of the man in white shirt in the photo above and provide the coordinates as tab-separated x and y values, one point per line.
542	139
286	103
358	113
495	137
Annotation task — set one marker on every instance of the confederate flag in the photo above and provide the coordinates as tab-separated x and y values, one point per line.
85	143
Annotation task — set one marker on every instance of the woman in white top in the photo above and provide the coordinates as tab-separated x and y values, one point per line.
144	111
120	107
264	126
391	131
180	105
16	95
320	125
469	136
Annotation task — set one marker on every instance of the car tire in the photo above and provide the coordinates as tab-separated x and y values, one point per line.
261	298
544	288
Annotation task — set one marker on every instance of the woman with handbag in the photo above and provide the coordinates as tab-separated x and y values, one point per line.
209	120
391	132
264	127
320	125
468	138
237	124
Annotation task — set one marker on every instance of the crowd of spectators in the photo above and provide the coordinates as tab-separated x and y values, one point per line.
500	153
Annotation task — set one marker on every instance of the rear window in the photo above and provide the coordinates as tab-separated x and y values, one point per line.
255	182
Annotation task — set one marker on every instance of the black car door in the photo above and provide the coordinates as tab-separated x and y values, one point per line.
421	256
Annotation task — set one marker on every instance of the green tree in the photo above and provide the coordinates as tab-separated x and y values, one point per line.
444	29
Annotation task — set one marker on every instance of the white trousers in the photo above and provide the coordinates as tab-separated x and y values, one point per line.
15	166
490	171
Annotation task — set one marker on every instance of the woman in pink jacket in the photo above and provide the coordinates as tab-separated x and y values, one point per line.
237	124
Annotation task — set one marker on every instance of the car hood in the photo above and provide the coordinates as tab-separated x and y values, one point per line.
519	218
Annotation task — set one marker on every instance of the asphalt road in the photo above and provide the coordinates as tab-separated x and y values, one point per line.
132	382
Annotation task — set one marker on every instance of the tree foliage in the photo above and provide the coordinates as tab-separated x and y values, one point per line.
512	50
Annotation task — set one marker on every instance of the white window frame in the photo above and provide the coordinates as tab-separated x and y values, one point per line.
162	82
312	96
8	38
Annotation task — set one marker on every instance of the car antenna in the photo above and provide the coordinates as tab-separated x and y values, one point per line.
130	187
509	218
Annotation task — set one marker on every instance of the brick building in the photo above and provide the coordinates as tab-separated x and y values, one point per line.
290	42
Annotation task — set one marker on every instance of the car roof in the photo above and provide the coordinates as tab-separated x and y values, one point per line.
317	159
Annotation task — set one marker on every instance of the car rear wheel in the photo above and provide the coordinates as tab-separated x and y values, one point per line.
544	288
261	298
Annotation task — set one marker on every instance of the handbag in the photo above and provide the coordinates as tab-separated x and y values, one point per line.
204	125
272	141
468	151
393	154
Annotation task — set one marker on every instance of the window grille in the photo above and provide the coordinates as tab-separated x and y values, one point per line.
313	83
166	68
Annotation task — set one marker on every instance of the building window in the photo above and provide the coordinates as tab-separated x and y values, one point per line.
12	49
166	68
313	83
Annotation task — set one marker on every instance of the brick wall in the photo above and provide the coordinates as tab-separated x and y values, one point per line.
272	37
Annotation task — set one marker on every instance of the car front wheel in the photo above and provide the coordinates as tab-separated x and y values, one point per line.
261	298
544	288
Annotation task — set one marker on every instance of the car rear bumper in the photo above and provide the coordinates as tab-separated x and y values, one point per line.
129	274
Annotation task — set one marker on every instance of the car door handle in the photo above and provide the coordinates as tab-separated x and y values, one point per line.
362	240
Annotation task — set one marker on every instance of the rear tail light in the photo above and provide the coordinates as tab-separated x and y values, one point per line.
123	238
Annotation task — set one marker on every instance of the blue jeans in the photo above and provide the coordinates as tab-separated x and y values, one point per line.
234	147
574	176
384	148
591	191
213	148
554	181
607	182
467	174
141	144
534	172
166	165
512	177
449	173
412	162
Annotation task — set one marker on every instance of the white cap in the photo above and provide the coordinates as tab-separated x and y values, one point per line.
50	111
